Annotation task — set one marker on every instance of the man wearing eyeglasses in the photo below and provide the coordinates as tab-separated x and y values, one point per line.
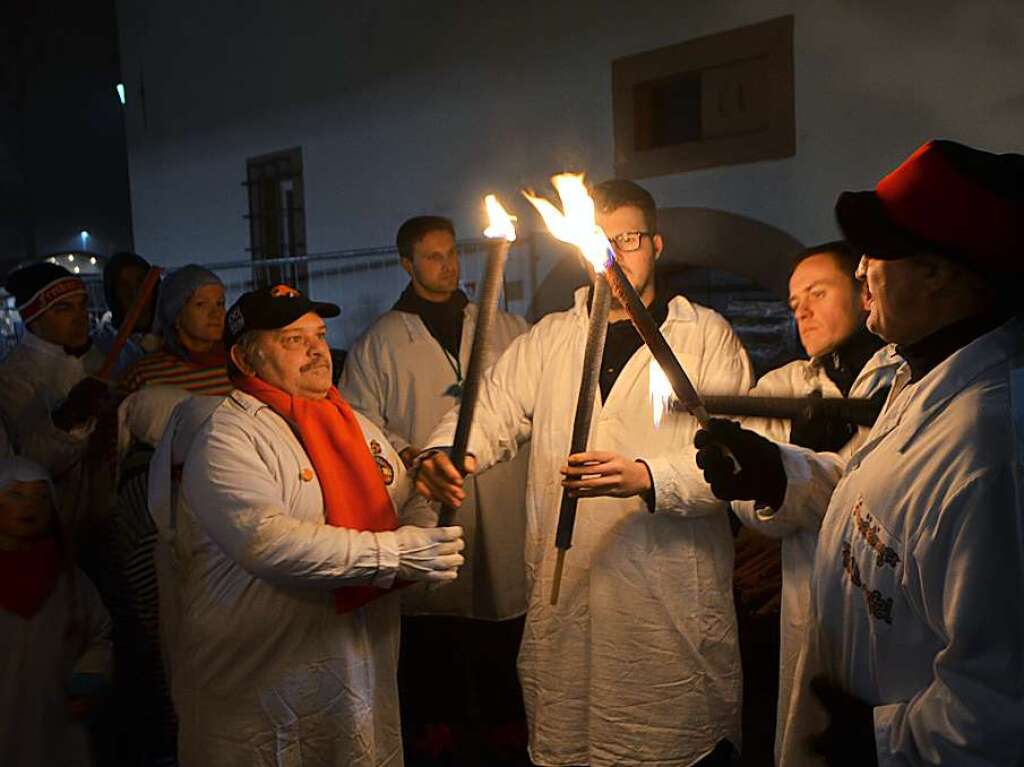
638	662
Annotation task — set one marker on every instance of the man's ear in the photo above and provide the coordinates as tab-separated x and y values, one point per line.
240	360
659	245
862	296
406	264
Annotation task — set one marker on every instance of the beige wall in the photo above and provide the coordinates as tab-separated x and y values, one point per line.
407	107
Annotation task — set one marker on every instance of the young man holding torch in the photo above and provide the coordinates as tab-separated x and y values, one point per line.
638	661
844	360
915	648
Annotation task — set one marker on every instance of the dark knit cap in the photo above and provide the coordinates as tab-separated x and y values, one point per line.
37	287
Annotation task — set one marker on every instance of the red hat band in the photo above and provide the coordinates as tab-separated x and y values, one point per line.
928	196
48	295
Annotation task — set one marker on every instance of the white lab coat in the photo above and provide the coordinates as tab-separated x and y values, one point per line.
264	670
35	379
38	656
918	584
143	415
163	489
799	537
397	375
638	663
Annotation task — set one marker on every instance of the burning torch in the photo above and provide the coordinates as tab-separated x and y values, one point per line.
575	225
501	228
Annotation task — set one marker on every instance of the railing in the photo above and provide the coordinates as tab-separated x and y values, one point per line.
365	282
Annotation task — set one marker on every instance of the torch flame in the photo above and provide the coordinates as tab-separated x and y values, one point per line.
661	392
576	225
499	222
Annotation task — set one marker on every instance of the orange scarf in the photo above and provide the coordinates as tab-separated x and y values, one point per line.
28	577
353	490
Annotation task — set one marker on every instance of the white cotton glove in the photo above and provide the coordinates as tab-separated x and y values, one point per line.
429	553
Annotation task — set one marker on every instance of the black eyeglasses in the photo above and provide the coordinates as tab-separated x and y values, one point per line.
627	242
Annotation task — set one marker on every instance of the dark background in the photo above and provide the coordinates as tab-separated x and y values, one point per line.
63	159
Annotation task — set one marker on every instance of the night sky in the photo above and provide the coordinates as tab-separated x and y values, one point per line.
63	163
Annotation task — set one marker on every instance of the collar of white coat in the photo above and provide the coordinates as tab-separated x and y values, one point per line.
252	406
414	325
884	358
959	370
679	307
31	341
247	402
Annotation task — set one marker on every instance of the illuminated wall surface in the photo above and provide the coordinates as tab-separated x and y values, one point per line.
403	108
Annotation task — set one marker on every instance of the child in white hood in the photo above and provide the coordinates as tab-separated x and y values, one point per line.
54	631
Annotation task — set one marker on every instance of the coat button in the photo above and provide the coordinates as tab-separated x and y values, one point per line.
306	475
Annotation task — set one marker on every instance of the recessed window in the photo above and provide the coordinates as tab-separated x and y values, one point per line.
716	100
667	111
277	218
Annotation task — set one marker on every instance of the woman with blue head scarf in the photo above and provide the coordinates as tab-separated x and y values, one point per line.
190	312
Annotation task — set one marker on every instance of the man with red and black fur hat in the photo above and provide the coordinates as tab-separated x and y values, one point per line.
50	404
916	649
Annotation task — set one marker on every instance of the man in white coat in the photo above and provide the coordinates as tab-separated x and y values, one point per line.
287	551
918	585
638	662
845	360
50	404
404	374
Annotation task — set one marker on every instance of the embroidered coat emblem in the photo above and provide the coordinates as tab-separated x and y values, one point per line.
387	471
884	555
879	606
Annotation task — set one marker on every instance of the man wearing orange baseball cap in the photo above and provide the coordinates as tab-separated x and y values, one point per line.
288	543
916	649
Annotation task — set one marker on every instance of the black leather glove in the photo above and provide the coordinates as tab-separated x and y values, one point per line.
760	477
84	401
849	739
